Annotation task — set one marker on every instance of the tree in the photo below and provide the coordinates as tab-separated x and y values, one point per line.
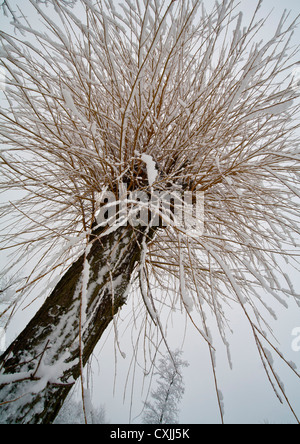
160	96
169	391
72	413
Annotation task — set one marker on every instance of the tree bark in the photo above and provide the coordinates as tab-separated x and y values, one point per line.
38	370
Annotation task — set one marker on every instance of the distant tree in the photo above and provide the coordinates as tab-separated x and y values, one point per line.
72	413
163	409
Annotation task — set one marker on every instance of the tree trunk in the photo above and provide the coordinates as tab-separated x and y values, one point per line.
40	367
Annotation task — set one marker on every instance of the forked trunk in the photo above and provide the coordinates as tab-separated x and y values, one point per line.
40	367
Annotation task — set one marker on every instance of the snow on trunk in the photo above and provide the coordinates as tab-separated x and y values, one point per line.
40	367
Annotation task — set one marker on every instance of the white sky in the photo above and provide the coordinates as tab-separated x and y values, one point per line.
248	397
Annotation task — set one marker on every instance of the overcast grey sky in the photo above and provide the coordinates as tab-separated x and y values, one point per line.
248	396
